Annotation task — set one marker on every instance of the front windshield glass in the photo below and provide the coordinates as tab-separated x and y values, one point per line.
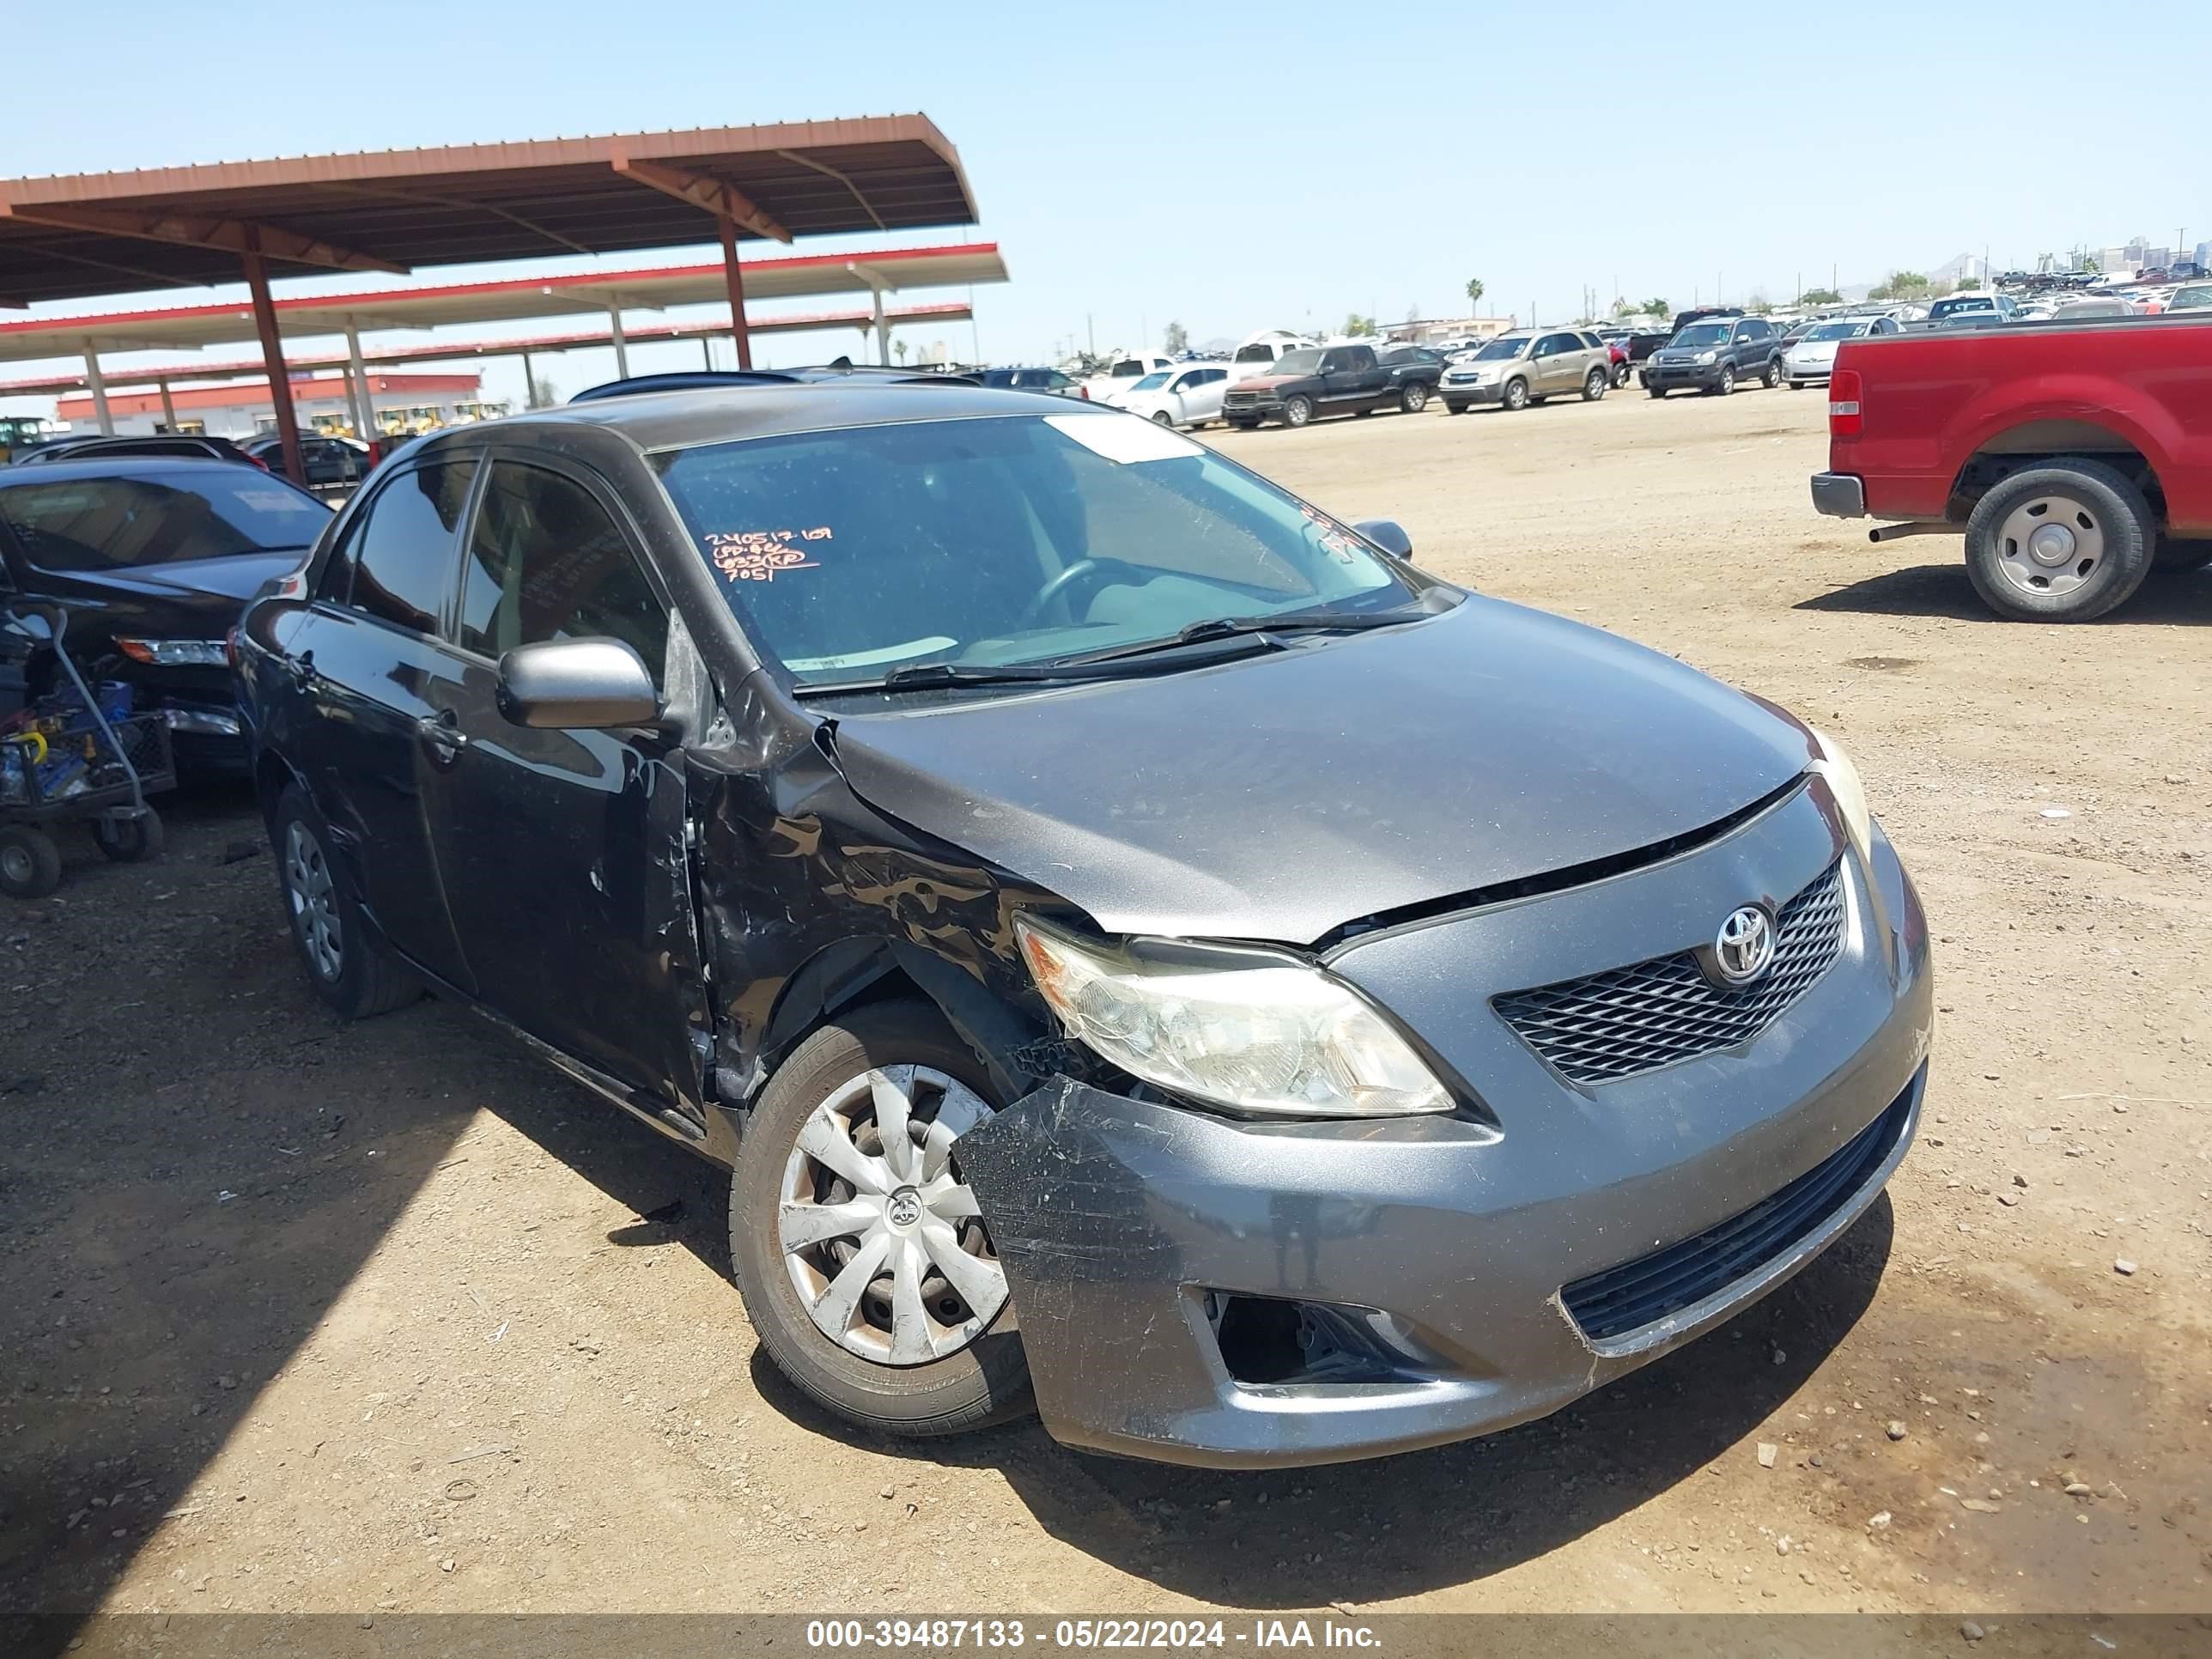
1151	382
1703	334
200	510
847	554
1504	347
1837	332
1943	308
1299	362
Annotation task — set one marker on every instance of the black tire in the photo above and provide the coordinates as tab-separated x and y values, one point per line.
1413	397
1620	373
1726	384
1514	398
30	863
1656	391
1161	417
1772	377
129	840
2104	502
985	1383
1451	408
1245	426
1595	385
2179	558
351	972
1298	412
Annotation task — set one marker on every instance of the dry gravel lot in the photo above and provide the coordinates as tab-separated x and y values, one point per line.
298	1316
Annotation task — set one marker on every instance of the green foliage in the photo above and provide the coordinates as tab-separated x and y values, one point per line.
1176	339
1900	285
1356	325
1474	290
1820	296
1659	307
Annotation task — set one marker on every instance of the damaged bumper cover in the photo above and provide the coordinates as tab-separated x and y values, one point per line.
1230	1294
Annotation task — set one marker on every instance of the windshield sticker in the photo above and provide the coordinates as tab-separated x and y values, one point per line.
1125	439
1335	538
759	556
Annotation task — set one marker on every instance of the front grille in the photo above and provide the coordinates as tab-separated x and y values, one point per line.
1652	1287
1626	1021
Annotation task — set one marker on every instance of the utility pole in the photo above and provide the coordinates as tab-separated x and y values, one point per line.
1091	332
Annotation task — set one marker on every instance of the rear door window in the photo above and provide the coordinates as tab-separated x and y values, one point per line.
547	561
403	551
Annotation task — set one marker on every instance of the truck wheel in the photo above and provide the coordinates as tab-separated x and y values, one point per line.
1619	376
1413	397
2059	544
30	863
349	971
1297	411
1773	375
2179	558
1726	384
129	840
1595	384
1516	395
869	1275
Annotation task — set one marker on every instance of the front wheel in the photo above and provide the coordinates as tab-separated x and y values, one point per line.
30	863
2059	544
1655	390
1413	397
1245	426
1516	395
1726	384
1298	412
1773	375
1620	371
865	1265
1161	417
1595	384
1451	408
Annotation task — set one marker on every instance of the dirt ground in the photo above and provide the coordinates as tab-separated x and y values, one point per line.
299	1317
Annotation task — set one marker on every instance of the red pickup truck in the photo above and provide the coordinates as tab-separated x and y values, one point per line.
2074	456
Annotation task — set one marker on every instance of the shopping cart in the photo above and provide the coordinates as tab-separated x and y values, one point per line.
74	755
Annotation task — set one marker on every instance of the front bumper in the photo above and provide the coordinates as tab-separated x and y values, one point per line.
207	740
1676	376
1272	410
1839	494
1471	392
1433	1262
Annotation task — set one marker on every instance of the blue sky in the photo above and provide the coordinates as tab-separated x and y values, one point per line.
1234	167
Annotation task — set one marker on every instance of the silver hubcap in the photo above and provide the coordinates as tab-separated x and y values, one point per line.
2050	545
314	905
882	1240
15	863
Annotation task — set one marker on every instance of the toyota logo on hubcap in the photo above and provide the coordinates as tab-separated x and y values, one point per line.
1744	948
905	1207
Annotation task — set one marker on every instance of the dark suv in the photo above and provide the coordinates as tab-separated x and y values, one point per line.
1714	355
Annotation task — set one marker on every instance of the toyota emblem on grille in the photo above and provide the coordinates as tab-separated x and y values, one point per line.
1744	948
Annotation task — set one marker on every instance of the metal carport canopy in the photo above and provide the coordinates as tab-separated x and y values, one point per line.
180	328
80	236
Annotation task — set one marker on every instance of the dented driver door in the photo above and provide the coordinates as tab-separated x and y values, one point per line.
562	851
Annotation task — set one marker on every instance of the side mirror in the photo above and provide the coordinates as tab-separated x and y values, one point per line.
1387	534
577	684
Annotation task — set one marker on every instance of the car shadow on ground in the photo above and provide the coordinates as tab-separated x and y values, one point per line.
1943	590
1396	1527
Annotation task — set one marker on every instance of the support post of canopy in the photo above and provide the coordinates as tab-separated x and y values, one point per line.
99	385
273	357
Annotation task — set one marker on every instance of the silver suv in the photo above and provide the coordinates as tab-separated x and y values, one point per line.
1528	366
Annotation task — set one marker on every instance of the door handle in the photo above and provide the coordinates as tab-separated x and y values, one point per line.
442	736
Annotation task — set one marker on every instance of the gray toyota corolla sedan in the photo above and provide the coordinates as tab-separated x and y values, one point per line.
1145	948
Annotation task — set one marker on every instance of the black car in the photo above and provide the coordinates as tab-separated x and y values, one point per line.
1314	382
330	463
1716	354
1029	379
840	373
153	560
1064	875
174	446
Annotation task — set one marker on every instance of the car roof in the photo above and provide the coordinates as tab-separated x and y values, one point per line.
679	419
132	466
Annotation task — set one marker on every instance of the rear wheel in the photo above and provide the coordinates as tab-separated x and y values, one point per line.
1516	395
866	1269
1595	384
1413	397
129	840
2059	544
30	863
351	972
1297	411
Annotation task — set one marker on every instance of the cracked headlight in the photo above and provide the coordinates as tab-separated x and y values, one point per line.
1843	784
1248	1030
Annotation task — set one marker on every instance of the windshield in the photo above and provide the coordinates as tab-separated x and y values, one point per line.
199	511
1305	362
1504	347
1703	334
1151	382
847	554
1943	308
1837	330
1127	368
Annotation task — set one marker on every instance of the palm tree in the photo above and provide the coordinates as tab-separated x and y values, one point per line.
1474	290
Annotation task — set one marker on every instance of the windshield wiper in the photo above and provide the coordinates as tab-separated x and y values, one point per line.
1229	628
932	676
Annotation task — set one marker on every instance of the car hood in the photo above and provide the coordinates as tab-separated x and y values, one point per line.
1815	351
1267	382
1278	797
238	578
